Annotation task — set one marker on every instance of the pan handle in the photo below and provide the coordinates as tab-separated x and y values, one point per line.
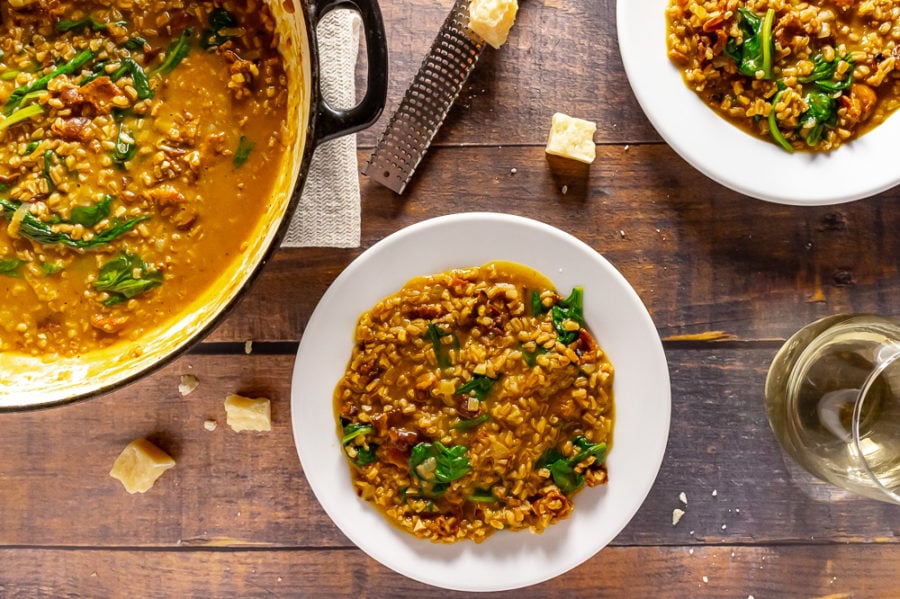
331	123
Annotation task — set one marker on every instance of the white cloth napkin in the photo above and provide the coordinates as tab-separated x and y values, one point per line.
328	214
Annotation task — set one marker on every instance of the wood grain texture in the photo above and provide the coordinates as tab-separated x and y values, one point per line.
701	257
812	571
726	278
247	489
561	56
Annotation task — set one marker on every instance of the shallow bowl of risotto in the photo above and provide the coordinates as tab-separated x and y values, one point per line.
787	102
500	410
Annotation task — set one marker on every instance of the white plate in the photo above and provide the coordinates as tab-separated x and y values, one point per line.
730	156
614	313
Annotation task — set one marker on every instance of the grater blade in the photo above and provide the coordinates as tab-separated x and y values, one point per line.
425	105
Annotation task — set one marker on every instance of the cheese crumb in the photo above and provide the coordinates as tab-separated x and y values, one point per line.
683	497
139	465
572	138
246	414
210	425
187	384
676	516
492	19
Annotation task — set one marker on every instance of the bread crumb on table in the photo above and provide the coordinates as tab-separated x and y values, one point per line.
248	414
210	425
139	465
676	516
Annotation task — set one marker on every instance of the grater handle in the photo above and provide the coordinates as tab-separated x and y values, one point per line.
330	122
442	75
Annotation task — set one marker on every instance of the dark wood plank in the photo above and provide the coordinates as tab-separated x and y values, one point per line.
829	571
561	56
700	256
232	489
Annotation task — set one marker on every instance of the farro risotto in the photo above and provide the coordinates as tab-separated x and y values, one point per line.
139	141
806	75
475	400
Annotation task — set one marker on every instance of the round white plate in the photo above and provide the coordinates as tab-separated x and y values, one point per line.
621	325
730	156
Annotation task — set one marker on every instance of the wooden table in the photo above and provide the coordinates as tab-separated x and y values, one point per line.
726	278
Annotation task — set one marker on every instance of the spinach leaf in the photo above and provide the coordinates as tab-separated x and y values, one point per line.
117	277
352	431
138	77
588	449
135	44
245	146
777	135
175	53
89	216
360	455
469	424
562	469
756	50
21	115
436	463
49	268
365	455
479	386
79	60
10	266
530	357
823	73
435	334
221	27
85	23
482	496
571	308
39	231
822	113
31	147
537	308
49	155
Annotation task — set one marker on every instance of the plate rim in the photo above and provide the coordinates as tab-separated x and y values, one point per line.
314	481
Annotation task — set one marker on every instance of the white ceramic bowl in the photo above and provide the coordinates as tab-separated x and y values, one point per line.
621	325
730	156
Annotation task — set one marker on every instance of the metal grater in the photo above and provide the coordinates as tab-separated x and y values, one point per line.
425	105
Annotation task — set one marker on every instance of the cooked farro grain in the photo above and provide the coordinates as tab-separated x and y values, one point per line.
124	133
475	400
807	75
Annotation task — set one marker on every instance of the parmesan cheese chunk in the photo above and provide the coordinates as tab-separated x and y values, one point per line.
572	138
139	465
246	414
492	19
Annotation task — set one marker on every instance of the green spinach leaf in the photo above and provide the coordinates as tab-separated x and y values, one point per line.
222	27
571	309
89	216
479	386
436	463
118	278
245	146
10	266
755	52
